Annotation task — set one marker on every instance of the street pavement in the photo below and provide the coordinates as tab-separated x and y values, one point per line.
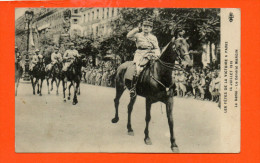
47	124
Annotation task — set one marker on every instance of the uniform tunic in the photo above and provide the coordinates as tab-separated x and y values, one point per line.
35	59
146	44
69	56
55	57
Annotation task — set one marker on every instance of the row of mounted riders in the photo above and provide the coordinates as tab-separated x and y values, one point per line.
39	73
154	84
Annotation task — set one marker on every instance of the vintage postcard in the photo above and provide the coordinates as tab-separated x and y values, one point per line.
127	80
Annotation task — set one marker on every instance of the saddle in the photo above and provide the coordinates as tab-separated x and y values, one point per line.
131	69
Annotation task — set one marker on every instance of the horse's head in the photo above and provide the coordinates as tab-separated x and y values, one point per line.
181	46
182	49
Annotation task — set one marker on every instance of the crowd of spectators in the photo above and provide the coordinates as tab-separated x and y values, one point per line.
198	83
100	75
203	84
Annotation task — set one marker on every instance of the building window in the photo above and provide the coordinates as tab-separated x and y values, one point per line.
75	21
97	31
97	13
107	12
103	14
88	16
76	11
92	15
112	12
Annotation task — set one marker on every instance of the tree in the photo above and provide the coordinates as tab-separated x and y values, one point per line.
201	26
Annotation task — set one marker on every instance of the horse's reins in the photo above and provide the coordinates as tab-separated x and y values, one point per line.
170	66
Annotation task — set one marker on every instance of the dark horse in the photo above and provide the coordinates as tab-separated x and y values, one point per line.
84	62
73	74
38	73
18	73
56	76
155	84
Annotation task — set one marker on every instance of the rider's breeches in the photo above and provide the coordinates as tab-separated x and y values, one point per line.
66	66
137	59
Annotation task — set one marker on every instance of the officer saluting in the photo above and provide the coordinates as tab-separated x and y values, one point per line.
147	44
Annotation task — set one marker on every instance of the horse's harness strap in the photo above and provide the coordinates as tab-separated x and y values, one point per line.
167	88
168	65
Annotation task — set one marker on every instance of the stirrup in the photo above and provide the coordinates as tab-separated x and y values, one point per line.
132	92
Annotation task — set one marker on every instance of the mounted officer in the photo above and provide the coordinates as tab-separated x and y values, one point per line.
36	58
69	57
55	58
147	45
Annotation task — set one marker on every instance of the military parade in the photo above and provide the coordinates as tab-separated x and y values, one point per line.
152	53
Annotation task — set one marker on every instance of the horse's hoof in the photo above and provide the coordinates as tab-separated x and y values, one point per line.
175	149
115	120
64	100
131	133
74	102
40	94
68	98
33	93
148	141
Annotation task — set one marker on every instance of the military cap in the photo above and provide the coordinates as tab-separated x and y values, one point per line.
148	23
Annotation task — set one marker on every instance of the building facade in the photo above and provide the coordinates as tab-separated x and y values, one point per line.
95	23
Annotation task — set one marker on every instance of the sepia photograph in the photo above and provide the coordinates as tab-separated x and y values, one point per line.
127	80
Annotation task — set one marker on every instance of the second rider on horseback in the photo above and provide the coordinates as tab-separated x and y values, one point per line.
69	57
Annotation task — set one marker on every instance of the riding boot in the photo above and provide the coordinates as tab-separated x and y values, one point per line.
133	86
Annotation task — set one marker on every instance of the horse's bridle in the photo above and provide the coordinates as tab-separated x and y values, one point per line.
170	66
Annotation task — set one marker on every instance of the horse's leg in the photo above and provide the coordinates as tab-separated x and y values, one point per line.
130	109
58	85
52	80
78	90
76	86
64	89
38	85
33	85
119	92
41	87
147	139
169	108
47	80
69	90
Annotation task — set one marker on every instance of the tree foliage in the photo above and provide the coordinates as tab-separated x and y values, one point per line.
201	26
